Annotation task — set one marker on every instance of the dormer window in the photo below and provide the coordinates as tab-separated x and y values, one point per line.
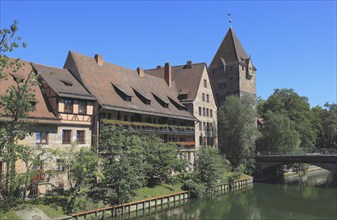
122	93
161	101
33	104
176	104
145	100
182	96
66	83
17	78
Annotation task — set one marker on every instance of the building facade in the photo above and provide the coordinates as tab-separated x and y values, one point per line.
193	89
136	100
231	71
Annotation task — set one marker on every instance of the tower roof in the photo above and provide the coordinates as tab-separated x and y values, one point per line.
230	50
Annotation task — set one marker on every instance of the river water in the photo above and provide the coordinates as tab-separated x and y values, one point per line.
262	201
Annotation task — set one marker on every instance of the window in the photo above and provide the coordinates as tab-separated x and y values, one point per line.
222	85
210	126
204	111
108	116
242	68
204	125
82	107
80	136
211	113
33	104
200	126
38	168
127	98
66	137
207	98
207	112
41	137
205	83
126	118
200	140
60	165
68	106
200	111
103	115
203	97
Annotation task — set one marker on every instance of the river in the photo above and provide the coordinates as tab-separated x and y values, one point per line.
262	201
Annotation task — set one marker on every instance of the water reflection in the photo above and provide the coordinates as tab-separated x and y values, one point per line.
264	201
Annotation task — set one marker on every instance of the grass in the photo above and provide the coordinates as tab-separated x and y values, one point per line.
159	190
51	205
10	215
53	211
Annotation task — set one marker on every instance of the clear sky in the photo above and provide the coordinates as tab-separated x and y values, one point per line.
292	43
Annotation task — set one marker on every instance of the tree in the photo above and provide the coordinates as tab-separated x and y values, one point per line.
15	105
237	129
209	167
82	168
123	167
288	103
278	133
161	159
326	124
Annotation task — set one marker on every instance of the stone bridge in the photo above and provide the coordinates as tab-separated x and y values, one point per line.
326	159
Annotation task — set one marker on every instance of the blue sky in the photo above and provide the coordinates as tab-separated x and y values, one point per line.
292	43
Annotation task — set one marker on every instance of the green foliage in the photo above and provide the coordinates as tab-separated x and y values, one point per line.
161	159
326	124
9	42
158	190
82	169
196	189
278	133
237	129
288	103
15	104
10	215
123	169
209	166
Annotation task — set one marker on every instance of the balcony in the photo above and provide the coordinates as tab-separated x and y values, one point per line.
151	128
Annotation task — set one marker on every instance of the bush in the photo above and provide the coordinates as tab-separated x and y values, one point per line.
196	189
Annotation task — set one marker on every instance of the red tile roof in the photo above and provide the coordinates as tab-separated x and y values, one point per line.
99	80
185	80
43	111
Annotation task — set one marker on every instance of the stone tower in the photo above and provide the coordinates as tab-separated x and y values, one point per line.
231	71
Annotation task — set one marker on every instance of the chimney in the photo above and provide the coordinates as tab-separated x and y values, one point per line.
99	59
168	74
159	66
140	72
189	65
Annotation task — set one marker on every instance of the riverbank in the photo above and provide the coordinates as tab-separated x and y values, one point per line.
153	203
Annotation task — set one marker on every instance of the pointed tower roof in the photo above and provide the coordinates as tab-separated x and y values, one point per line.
230	50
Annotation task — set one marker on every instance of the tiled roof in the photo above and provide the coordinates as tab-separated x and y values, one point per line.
230	50
99	80
185	80
63	82
43	111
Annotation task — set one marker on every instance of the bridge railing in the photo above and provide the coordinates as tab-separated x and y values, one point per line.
323	152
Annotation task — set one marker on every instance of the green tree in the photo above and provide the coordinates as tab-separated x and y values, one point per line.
82	169
288	103
123	166
161	159
326	124
278	133
237	129
15	104
209	167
